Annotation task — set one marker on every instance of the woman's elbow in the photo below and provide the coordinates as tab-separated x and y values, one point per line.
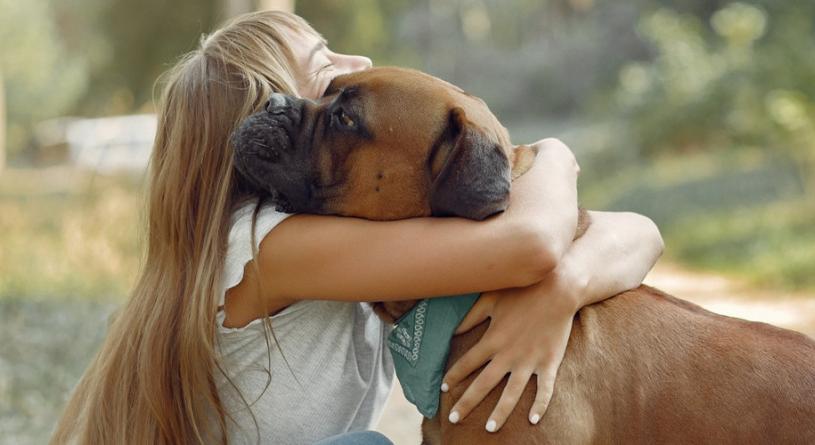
538	254
647	239
652	236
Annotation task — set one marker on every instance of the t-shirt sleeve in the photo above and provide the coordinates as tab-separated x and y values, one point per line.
240	248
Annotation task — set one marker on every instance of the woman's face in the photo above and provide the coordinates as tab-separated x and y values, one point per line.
319	65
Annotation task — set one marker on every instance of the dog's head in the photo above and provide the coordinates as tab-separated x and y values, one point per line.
383	144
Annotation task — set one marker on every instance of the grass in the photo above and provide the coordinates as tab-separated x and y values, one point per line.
68	234
736	213
68	253
46	346
771	245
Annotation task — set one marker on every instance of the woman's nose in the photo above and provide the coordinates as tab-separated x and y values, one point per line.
351	64
363	62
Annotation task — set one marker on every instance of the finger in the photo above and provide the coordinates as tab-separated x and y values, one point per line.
477	390
473	359
546	387
480	311
509	398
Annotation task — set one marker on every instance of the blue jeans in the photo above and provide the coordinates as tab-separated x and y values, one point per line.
357	438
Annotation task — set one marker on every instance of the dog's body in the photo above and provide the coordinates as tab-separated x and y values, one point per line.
647	368
642	367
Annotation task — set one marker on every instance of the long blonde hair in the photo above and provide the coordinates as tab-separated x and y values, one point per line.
153	379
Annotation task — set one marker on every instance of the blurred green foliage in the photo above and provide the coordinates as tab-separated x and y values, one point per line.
683	74
144	38
713	135
747	79
730	211
771	245
365	26
90	57
42	77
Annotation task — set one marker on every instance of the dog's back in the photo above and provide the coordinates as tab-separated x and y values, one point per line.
645	367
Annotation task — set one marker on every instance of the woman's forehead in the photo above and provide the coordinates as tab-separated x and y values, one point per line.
304	45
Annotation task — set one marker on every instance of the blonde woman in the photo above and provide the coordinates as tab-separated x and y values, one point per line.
231	336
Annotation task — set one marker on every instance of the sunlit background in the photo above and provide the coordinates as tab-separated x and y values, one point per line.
697	113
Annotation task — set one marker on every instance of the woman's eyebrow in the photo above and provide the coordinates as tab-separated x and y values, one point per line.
320	45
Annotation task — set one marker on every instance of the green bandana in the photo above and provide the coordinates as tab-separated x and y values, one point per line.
420	343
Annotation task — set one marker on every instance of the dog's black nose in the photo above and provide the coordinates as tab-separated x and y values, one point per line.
276	100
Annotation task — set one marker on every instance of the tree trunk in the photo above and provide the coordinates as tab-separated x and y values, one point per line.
237	7
2	123
277	5
231	8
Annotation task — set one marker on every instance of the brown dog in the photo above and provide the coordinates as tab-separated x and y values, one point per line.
642	367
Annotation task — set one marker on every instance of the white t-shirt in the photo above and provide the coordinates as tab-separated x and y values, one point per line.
339	371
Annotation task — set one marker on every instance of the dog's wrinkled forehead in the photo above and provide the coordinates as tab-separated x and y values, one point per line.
401	91
400	81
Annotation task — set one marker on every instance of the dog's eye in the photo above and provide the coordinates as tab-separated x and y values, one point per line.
344	120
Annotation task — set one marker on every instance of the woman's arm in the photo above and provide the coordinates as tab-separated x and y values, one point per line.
338	258
613	256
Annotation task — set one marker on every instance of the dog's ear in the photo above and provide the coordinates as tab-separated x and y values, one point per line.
473	180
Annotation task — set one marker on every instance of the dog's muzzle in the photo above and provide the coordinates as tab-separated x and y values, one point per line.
269	157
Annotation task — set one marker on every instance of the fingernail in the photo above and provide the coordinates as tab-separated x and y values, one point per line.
535	418
492	426
453	417
444	387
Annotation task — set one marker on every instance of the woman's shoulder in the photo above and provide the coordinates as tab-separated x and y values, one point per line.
241	222
241	244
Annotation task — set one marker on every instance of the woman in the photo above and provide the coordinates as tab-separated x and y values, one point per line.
242	334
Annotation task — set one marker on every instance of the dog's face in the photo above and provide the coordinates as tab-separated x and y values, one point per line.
385	143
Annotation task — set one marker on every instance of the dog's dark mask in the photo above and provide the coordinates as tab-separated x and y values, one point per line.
268	159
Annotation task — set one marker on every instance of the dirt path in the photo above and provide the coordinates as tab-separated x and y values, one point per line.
401	421
791	310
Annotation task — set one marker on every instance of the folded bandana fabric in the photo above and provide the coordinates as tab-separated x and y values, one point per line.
420	344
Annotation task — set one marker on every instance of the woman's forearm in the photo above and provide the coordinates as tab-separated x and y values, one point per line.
613	256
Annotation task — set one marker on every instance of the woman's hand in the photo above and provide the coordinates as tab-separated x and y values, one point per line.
512	346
